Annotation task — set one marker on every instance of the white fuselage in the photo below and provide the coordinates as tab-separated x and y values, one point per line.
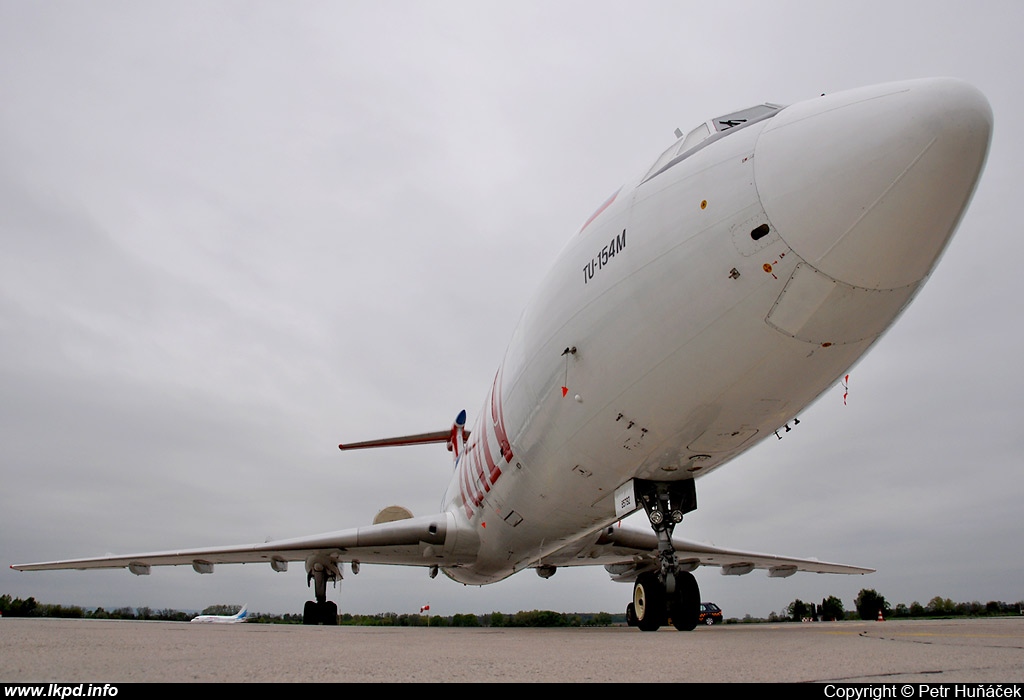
708	302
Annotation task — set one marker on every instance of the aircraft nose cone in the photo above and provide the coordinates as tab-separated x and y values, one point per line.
868	185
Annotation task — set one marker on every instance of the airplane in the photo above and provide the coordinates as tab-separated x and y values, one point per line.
698	311
240	616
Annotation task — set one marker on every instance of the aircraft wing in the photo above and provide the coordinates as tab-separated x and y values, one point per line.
627	552
422	541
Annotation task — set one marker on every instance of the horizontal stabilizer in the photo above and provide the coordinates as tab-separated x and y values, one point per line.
455	437
420	439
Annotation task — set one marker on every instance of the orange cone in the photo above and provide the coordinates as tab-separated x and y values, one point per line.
880	618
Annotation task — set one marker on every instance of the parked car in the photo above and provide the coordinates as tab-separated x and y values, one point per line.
710	614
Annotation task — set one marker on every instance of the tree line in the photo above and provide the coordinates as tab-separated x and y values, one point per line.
870	603
30	607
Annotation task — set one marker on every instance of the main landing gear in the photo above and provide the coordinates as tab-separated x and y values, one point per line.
669	593
321	611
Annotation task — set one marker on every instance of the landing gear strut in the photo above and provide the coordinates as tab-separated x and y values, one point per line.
321	611
670	592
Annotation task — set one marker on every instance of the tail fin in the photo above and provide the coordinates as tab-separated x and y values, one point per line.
457	436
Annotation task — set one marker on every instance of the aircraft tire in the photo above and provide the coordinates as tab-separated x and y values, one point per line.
649	602
329	613
684	608
630	615
310	613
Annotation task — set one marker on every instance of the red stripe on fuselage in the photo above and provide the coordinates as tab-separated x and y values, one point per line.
464	488
467	466
471	466
478	463
498	420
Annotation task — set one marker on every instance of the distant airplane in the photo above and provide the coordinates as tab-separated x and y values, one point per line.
705	304
223	619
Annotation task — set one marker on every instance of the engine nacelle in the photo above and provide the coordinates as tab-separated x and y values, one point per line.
737	569
546	571
202	567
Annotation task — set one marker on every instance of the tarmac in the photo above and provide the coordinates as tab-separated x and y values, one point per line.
892	652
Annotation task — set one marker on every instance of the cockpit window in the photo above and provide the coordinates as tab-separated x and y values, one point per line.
694	137
707	132
744	117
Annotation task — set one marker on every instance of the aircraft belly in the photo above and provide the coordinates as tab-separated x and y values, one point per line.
734	381
715	394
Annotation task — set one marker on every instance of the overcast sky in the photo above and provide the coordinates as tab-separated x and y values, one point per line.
235	234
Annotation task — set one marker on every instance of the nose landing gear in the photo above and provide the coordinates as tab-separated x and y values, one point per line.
670	592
